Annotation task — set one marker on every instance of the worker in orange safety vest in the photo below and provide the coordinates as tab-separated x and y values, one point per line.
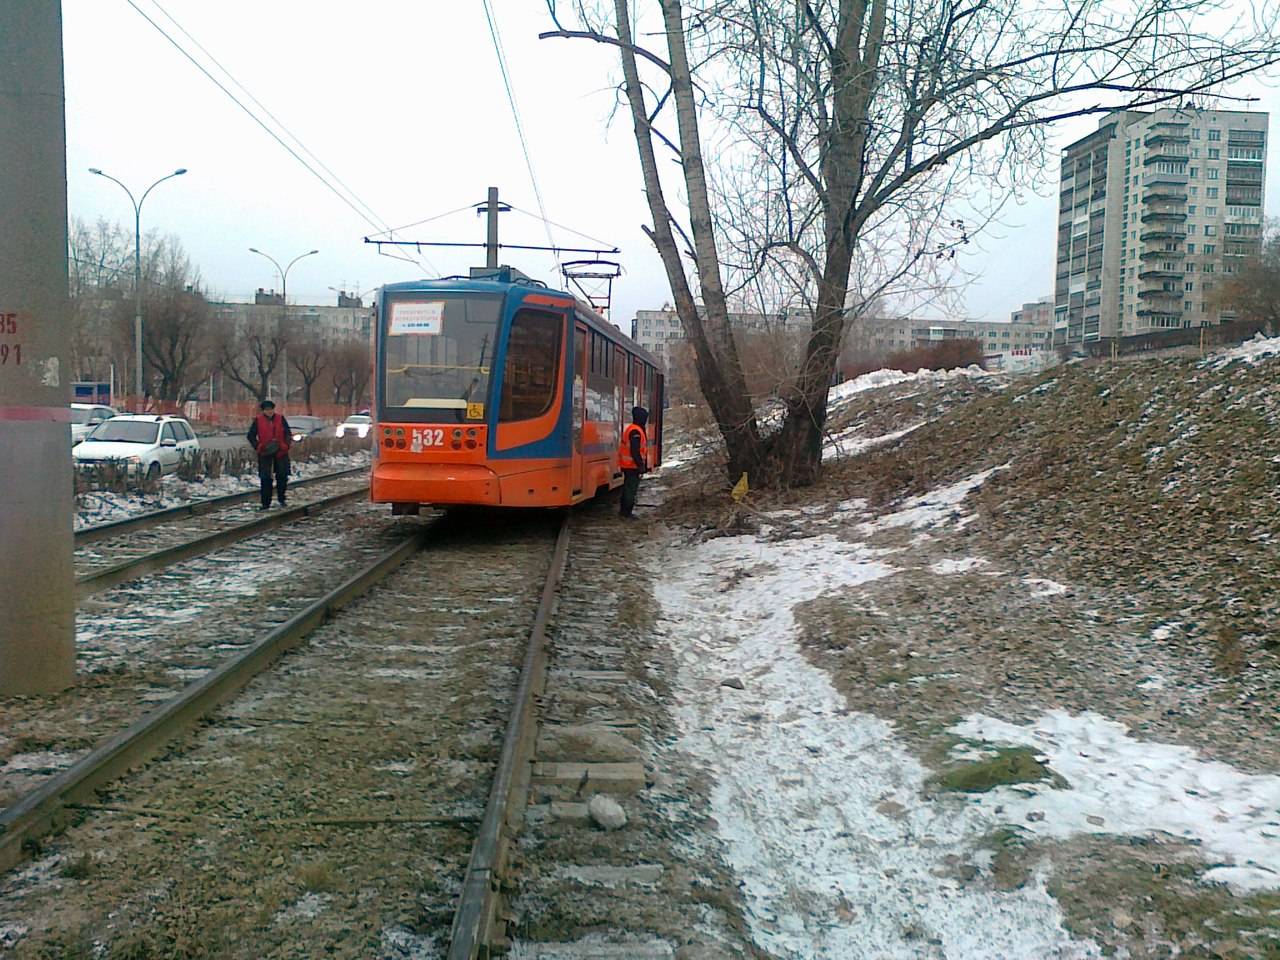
633	458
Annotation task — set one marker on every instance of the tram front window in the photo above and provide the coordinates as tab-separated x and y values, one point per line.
437	355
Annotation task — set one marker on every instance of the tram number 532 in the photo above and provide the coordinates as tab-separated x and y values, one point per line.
427	438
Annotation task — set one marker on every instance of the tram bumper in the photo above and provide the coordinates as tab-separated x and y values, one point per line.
459	483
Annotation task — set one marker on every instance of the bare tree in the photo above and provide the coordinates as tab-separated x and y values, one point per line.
99	271
250	356
176	342
311	356
350	372
865	122
1254	292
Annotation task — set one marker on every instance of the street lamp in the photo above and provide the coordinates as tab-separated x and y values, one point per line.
284	312
137	268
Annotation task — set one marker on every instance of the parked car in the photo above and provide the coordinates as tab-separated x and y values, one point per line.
148	445
358	423
86	416
304	426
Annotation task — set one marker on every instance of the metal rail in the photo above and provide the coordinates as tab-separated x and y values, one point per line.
473	923
195	508
118	573
45	809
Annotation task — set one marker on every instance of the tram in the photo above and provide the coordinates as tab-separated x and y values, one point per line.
496	390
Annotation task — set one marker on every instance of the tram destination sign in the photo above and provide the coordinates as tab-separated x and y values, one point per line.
416	318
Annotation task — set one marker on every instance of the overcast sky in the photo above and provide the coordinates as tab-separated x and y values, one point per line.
403	100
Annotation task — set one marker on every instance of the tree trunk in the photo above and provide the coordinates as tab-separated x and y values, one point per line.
718	371
796	452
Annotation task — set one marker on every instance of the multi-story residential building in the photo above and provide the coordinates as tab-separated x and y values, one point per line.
1030	329
1038	313
1155	210
658	331
350	319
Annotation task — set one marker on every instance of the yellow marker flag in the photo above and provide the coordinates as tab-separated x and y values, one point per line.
739	489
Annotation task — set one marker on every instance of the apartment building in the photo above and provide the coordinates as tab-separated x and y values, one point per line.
348	320
659	331
1030	329
1156	209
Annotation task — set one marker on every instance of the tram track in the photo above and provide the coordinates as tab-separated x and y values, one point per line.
195	508
136	556
418	676
139	643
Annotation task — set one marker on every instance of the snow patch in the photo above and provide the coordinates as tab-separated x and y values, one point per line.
1041	587
846	444
821	809
958	566
934	509
307	907
887	378
104	506
1137	788
39	761
1251	351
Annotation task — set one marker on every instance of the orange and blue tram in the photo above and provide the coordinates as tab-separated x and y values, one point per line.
497	390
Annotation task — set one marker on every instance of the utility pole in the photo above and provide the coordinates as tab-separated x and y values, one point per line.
37	613
492	207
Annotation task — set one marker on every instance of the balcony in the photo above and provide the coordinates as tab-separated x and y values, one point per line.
1166	130
1161	232
1158	273
1154	316
1164	214
1159	296
1162	177
1165	193
1166	151
1160	254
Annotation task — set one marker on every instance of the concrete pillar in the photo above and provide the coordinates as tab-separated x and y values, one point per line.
37	599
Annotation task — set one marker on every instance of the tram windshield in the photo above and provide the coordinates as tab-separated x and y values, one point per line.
437	355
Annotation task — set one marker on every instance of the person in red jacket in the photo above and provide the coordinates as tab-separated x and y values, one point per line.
269	435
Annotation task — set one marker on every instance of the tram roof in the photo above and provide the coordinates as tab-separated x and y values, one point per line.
484	285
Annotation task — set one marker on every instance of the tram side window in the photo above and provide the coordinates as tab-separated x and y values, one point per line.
533	365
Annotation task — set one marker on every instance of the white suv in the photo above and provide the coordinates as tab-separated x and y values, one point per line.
148	445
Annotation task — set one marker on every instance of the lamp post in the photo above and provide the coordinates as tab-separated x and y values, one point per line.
284	312
137	267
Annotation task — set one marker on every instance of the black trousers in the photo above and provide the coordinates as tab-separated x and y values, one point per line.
630	487
273	468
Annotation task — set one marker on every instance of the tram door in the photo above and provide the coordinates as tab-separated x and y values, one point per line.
620	391
579	405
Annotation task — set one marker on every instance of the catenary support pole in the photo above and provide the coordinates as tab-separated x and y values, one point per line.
491	241
37	608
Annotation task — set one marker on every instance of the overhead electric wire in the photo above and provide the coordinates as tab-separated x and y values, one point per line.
515	113
372	221
438	216
561	226
263	107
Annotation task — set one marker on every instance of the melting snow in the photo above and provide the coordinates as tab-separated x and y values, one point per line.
1251	351
820	808
823	811
847	444
887	378
933	509
1138	787
103	506
1044	588
958	566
